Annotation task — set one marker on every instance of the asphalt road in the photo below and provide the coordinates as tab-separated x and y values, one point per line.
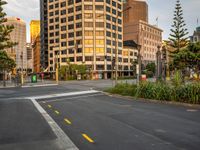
94	121
101	122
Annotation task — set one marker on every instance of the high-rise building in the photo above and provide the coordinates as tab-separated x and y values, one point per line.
18	35
29	57
138	11
137	28
34	29
44	33
36	54
83	31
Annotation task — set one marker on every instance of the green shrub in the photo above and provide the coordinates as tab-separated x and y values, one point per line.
189	93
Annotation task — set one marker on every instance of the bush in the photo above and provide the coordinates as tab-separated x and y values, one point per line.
189	93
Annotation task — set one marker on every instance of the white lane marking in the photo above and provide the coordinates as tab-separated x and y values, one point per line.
192	110
77	97
64	94
64	142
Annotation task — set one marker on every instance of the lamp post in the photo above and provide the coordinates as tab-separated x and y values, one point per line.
22	69
57	78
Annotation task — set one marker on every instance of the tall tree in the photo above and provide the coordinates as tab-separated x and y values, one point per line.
5	30
178	37
188	57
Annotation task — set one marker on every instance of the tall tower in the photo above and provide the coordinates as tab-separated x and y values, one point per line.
44	33
88	32
18	35
34	29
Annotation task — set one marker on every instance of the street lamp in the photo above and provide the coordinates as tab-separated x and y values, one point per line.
57	78
22	69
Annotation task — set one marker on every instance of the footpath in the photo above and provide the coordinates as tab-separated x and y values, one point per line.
26	84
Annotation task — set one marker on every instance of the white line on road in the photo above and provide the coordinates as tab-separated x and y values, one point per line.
64	141
64	94
77	97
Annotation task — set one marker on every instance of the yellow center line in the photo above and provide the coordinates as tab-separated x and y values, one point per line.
57	112
49	106
67	121
87	138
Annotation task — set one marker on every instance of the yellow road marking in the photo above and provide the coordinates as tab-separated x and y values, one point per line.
67	121
87	138
49	106
57	112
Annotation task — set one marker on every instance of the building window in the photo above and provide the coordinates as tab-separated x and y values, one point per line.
88	7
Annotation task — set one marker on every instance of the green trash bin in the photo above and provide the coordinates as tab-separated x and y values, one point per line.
34	78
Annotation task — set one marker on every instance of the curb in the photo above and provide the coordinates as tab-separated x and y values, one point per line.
154	101
41	85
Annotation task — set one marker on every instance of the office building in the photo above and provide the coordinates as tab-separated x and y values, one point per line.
18	35
34	29
86	32
137	28
138	11
44	33
29	57
36	54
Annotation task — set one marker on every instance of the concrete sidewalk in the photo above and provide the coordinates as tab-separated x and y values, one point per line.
10	84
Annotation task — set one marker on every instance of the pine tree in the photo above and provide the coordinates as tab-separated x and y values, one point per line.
178	37
5	30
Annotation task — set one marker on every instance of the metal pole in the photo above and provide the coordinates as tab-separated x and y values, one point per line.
22	72
116	52
57	79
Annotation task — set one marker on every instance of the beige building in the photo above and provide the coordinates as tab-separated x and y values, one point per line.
148	36
86	32
18	35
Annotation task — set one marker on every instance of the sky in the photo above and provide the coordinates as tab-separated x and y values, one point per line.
163	9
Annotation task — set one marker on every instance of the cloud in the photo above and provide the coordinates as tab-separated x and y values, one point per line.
25	9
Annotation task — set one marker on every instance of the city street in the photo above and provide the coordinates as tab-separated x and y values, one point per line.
88	119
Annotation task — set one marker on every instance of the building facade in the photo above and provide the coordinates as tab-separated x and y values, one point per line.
196	36
137	28
88	32
138	11
44	33
36	54
18	35
29	57
34	30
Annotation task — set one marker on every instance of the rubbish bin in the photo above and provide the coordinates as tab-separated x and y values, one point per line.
34	78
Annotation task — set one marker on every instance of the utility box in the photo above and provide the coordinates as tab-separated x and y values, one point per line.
34	78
